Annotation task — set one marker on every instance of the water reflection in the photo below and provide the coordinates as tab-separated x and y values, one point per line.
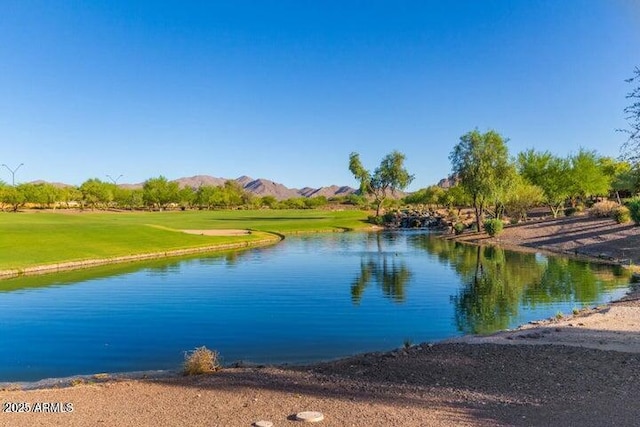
154	268
390	276
334	294
497	283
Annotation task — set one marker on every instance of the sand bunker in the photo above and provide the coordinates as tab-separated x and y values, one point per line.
229	232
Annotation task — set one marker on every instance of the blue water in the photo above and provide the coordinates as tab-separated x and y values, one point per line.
306	299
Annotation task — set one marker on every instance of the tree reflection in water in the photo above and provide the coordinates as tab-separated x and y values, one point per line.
497	282
390	276
389	273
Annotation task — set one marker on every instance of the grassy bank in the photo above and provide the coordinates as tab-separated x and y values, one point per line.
29	239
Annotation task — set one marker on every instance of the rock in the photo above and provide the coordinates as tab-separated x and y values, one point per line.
310	416
263	423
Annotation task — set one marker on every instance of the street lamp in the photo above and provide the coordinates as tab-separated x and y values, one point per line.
115	181
13	173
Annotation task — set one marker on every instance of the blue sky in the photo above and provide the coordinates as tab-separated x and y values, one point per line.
285	90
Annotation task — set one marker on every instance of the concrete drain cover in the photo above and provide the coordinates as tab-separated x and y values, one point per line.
310	416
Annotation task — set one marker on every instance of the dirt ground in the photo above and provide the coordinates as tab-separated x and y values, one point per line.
582	370
600	238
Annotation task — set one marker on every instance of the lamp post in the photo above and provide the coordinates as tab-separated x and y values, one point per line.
13	173
115	181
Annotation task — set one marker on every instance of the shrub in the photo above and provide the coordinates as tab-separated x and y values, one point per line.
493	227
570	211
458	227
634	209
603	209
621	214
201	361
375	220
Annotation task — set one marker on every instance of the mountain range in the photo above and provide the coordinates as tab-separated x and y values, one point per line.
260	187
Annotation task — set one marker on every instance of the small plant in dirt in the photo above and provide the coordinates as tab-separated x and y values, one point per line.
634	209
493	227
458	227
621	215
570	211
201	361
407	343
576	311
559	315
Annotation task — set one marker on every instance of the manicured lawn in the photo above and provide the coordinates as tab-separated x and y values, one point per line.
38	238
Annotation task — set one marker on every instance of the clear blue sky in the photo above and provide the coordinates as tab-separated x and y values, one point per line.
285	90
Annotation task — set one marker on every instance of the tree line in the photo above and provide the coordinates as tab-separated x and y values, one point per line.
492	182
489	180
155	194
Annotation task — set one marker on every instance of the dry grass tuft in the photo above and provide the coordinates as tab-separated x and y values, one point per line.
201	361
603	209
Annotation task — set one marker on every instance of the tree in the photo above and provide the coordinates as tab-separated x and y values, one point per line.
617	172
631	148
455	196
70	195
389	177
587	177
425	196
521	197
548	172
12	196
158	192
96	192
268	201
42	194
481	161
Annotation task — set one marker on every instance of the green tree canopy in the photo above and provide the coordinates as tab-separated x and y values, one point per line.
159	192
390	176
481	161
548	172
96	193
587	176
521	197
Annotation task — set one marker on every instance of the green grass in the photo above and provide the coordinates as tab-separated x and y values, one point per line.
38	238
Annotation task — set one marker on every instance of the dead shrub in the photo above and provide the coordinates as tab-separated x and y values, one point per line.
604	209
201	361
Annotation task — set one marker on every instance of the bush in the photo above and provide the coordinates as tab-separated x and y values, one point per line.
621	214
201	361
493	227
375	220
570	211
603	209
458	227
634	209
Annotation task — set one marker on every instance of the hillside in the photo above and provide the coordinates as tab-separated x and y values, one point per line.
259	187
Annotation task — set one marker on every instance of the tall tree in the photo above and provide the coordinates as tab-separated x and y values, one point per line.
631	148
96	193
481	161
385	180
548	172
522	197
160	192
587	177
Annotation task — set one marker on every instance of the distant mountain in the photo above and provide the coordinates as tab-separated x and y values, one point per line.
448	182
55	184
264	187
259	187
200	181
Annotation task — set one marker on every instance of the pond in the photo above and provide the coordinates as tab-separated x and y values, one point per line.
307	299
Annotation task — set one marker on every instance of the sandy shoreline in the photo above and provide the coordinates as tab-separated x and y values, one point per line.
579	370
